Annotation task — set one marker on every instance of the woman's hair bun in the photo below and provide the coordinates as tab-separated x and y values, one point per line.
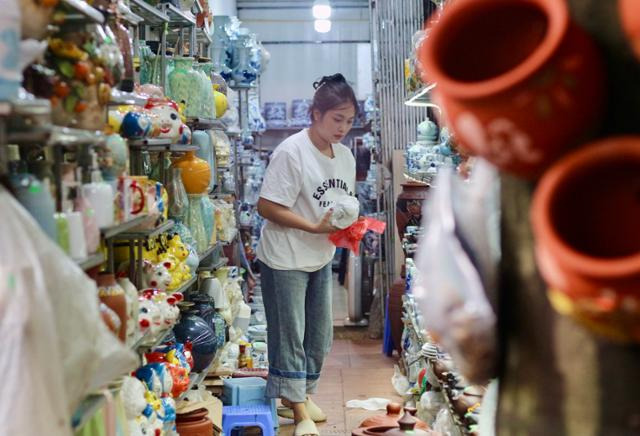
335	78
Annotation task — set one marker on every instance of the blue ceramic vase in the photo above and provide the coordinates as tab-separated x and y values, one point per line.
196	330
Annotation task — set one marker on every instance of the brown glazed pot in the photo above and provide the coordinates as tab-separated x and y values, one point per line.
112	295
409	205
522	101
629	12
585	216
407	425
194	423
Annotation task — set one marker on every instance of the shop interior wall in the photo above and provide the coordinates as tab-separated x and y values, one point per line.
300	55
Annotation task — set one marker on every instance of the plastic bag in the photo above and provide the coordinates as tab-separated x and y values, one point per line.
430	404
444	424
351	236
345	211
53	331
449	289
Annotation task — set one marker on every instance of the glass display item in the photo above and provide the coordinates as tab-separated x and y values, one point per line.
184	86
178	199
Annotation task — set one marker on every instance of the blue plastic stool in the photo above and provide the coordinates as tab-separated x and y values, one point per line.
248	391
247	416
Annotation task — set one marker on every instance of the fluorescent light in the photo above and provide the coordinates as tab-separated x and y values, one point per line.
321	10
322	26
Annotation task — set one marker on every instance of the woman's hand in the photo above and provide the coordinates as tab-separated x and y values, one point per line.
325	226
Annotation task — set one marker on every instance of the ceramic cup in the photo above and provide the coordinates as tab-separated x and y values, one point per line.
585	215
77	241
522	101
100	197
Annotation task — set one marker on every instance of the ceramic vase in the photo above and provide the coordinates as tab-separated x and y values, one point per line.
196	173
585	215
112	295
204	308
194	329
196	223
522	101
184	86
409	205
209	219
629	12
243	72
208	98
113	158
205	151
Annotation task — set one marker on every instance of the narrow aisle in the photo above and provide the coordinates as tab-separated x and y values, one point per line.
355	369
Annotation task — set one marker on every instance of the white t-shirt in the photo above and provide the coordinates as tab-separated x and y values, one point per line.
306	181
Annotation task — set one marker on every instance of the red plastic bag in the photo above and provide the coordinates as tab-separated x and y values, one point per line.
351	236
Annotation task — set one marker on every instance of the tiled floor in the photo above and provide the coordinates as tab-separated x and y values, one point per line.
353	370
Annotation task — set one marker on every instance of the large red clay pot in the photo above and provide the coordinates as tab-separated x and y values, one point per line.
586	222
194	423
629	11
518	81
390	419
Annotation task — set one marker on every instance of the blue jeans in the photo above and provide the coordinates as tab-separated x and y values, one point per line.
299	327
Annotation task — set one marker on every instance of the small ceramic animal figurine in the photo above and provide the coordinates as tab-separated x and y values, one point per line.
149	316
135	125
167	118
156	276
133	397
131	295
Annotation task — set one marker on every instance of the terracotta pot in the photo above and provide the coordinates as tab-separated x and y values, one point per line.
585	216
113	296
196	173
629	11
520	101
390	419
407	425
409	205
194	423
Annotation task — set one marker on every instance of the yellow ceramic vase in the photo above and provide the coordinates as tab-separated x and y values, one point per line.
196	173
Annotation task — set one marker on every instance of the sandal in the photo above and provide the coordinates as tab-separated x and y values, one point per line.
306	428
314	411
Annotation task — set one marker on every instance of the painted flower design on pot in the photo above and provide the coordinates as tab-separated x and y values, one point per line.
500	142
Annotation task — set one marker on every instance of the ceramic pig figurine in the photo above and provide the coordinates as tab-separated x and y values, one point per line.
156	275
164	113
149	316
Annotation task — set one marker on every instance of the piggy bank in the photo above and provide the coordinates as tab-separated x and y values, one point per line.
135	125
156	275
165	115
166	381
149	316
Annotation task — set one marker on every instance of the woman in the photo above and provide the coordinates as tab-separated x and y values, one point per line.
307	173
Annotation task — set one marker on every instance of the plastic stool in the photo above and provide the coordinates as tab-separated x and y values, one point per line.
248	391
251	416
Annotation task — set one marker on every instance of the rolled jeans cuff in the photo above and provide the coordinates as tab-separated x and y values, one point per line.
292	387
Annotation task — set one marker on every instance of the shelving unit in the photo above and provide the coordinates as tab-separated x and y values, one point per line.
91	261
89	13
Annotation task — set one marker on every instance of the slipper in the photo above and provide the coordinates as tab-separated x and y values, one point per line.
306	428
316	414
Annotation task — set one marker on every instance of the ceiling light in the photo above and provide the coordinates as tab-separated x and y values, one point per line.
321	10
322	26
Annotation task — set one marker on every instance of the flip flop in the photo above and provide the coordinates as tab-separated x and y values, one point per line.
306	428
314	411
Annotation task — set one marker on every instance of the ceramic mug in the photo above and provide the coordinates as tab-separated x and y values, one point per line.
100	197
585	215
522	101
131	198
